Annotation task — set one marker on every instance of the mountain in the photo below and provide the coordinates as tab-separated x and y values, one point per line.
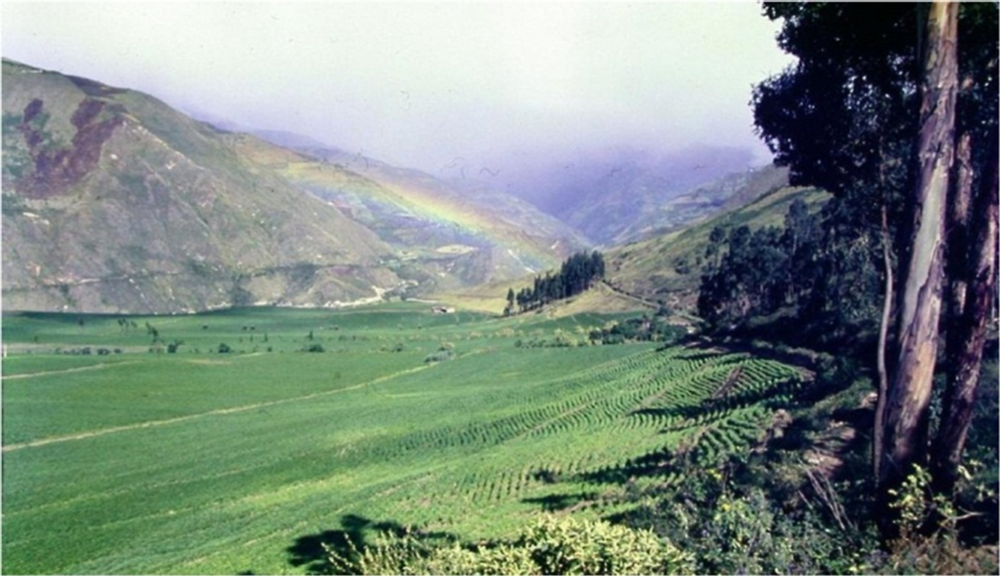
447	233
113	202
616	194
667	267
684	209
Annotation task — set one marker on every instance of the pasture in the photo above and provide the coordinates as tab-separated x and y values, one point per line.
122	457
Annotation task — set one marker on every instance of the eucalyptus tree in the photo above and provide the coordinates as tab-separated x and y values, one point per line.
893	109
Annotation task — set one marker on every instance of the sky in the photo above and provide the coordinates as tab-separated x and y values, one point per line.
435	86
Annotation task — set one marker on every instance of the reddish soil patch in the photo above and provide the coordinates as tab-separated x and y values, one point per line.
56	169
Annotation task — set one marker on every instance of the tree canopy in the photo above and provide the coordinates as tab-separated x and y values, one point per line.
882	110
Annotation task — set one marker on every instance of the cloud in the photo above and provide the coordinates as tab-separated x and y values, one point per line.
421	83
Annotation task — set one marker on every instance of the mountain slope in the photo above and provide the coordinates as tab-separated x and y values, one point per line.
687	208
457	233
113	201
616	194
668	267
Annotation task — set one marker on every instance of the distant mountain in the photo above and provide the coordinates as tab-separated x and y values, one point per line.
113	201
615	195
701	202
667	267
461	232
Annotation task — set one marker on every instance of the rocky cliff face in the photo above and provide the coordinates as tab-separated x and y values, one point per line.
114	202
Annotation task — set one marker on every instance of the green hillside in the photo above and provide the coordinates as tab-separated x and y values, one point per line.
668	267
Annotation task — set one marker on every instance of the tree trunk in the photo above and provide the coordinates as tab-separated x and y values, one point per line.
883	337
967	330
904	437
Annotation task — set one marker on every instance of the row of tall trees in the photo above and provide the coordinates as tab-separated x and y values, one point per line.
576	275
893	109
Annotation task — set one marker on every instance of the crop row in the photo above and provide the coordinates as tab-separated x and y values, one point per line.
628	404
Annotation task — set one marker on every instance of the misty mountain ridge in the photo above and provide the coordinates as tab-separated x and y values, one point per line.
115	202
604	192
608	195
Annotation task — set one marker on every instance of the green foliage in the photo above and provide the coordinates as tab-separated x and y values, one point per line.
799	284
571	546
224	348
928	540
731	528
576	275
551	546
642	329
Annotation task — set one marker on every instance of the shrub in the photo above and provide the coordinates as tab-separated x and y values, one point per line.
571	546
224	348
552	546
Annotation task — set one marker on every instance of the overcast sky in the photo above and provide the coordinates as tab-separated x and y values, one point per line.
427	84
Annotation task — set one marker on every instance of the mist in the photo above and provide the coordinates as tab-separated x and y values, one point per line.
504	92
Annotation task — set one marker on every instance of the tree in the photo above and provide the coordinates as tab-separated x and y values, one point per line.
576	275
972	239
906	415
875	88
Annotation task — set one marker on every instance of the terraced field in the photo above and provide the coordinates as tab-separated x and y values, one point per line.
200	462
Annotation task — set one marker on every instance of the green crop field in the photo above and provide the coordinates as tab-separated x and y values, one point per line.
120	456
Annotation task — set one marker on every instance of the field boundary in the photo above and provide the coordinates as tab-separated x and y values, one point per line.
217	412
100	366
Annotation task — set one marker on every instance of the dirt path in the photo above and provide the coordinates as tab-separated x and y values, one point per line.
217	412
630	296
70	370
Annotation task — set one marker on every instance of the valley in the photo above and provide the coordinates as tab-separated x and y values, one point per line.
583	326
205	462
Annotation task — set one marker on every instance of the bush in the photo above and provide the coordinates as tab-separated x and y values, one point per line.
732	528
224	348
938	552
552	546
571	546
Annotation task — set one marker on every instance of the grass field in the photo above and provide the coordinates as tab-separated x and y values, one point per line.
127	460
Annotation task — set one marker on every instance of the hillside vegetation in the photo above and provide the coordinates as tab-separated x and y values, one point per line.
668	267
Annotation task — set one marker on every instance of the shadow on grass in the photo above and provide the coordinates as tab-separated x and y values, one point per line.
310	550
559	502
810	417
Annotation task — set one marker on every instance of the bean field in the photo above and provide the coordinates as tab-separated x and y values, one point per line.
141	445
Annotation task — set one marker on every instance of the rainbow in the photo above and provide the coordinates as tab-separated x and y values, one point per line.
431	204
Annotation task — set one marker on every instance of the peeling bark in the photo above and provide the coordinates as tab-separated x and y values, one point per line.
967	331
904	436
